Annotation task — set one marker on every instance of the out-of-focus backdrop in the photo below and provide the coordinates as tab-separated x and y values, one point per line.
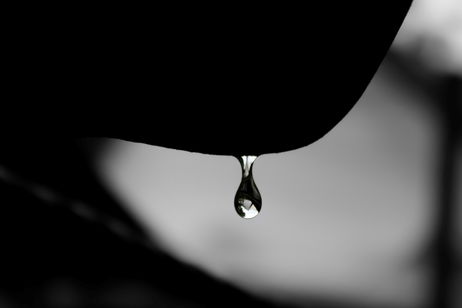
352	218
368	216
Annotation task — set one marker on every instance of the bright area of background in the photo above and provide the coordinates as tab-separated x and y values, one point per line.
348	217
432	31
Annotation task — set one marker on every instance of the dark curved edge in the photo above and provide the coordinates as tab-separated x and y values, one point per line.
277	80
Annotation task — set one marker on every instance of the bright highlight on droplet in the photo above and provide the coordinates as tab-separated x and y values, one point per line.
247	201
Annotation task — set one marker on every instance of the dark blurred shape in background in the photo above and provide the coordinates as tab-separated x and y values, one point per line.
368	216
430	49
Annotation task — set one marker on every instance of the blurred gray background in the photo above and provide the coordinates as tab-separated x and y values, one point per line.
352	217
368	216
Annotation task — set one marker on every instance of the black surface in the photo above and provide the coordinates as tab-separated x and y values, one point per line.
214	78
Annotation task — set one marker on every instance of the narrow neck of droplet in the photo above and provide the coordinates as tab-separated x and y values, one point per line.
246	164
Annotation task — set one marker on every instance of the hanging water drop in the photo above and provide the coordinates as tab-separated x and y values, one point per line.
247	201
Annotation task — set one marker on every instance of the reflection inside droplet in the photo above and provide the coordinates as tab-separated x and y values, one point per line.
246	209
247	201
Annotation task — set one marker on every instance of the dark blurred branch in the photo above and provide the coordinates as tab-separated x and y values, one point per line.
450	105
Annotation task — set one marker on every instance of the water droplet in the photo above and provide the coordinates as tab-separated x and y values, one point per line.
247	201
